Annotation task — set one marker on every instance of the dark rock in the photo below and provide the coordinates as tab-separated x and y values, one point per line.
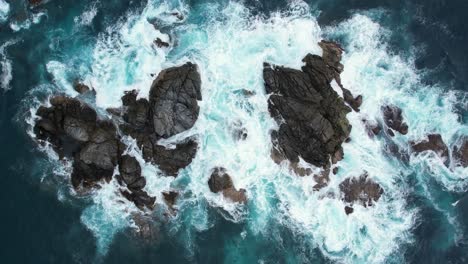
75	131
220	181
372	128
393	119
332	53
146	227
161	44
82	88
360	190
460	153
178	15
348	210
173	100
170	199
311	115
434	143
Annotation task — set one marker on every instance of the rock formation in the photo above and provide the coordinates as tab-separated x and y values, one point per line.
75	131
311	115
393	118
361	190
434	143
220	181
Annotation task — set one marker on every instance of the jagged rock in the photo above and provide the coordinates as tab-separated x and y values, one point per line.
393	119
361	190
220	181
161	44
460	153
311	116
173	100
434	143
75	131
332	53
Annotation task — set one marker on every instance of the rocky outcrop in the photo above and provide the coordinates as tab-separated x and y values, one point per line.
434	142
460	153
393	119
75	131
361	190
310	114
220	181
172	108
372	128
332	53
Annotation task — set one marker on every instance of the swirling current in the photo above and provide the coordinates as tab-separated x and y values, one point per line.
411	54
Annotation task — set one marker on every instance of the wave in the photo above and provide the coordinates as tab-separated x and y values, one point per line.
229	45
4	10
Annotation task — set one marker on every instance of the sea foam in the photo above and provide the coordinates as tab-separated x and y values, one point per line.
229	45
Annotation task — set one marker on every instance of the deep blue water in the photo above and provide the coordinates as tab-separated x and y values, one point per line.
38	225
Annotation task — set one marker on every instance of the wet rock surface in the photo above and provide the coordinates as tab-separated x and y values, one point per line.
311	115
220	181
360	190
460	153
76	132
393	119
433	142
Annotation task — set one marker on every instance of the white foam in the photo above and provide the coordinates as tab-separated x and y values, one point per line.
6	75
87	17
4	10
35	18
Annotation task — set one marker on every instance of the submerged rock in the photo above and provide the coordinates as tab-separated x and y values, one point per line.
220	181
311	115
361	190
460	153
393	118
82	88
434	143
160	43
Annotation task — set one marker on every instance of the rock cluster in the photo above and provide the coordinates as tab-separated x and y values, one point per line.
220	181
310	114
75	131
360	190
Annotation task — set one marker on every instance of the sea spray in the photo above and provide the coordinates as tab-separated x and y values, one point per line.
229	45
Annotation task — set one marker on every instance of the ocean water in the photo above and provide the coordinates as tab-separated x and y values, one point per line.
408	53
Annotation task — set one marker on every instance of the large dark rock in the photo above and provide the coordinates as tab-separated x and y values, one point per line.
361	190
311	115
434	143
172	108
460	153
393	118
173	100
220	181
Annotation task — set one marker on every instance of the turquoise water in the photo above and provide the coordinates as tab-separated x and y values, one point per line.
421	218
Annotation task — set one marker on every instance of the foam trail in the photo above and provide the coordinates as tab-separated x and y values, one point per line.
6	75
87	17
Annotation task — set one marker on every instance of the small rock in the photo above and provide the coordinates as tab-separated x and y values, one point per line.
348	210
220	181
161	44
